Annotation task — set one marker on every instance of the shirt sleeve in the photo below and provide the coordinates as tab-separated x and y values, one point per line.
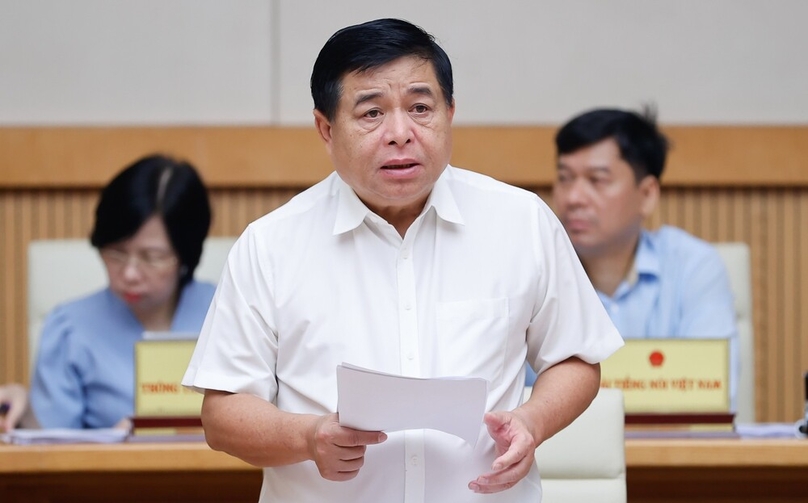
570	319
57	396
238	345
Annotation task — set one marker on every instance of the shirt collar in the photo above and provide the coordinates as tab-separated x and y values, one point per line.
351	211
442	199
646	260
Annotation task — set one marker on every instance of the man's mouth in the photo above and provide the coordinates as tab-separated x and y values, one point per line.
399	166
576	224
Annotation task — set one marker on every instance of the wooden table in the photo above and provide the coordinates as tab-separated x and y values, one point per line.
660	471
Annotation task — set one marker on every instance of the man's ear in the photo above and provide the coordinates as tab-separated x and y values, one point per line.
323	128
649	193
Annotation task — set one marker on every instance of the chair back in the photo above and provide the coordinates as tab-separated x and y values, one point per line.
61	270
585	462
736	258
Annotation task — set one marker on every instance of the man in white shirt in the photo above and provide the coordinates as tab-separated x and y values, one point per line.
400	263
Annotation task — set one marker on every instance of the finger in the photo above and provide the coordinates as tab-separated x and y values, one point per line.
352	465
517	451
340	476
350	453
357	437
490	488
11	419
495	421
499	481
344	469
499	430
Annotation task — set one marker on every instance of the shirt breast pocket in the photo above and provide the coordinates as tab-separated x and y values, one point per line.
472	338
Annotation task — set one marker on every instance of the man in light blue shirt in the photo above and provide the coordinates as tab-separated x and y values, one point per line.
658	284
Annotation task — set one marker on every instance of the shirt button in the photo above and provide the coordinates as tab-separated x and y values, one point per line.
410	356
414	461
405	254
407	307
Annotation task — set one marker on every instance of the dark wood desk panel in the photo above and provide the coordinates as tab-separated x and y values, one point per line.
132	487
717	470
718	485
658	471
126	473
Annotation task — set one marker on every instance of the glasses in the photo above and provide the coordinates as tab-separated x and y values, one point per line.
145	260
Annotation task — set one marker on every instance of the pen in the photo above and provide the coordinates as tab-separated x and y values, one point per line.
804	426
806	396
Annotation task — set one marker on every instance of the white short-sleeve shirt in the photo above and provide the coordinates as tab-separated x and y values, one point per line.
483	280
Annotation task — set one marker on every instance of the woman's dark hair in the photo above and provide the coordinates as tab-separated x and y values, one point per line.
641	143
370	45
162	186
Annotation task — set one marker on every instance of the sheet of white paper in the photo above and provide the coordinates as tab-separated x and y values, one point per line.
769	430
65	436
377	401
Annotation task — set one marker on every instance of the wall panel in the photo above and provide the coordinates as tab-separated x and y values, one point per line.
774	221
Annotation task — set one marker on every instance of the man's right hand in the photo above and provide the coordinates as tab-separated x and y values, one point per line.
339	452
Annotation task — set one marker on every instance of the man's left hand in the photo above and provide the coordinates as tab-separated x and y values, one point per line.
515	448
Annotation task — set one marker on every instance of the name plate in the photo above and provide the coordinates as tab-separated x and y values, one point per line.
670	375
159	367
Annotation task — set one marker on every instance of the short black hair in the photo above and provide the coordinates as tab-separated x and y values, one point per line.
641	143
370	45
156	185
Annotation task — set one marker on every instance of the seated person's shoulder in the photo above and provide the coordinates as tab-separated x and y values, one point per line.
687	259
679	245
71	321
83	307
200	290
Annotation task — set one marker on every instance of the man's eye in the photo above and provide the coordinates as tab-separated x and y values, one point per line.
372	114
420	109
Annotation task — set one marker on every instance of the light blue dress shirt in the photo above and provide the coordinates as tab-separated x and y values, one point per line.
678	288
84	375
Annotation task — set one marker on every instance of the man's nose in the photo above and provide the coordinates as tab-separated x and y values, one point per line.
399	127
577	193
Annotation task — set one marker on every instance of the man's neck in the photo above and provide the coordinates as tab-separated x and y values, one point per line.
607	270
401	218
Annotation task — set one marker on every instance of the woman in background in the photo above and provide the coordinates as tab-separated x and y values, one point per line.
150	225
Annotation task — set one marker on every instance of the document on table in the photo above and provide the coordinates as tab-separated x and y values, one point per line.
64	436
377	401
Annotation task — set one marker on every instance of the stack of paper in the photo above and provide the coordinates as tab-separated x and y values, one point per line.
65	436
376	401
769	430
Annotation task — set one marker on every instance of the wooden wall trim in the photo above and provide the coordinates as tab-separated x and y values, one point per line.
87	157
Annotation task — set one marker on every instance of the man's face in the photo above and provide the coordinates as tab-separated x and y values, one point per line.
391	137
599	201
